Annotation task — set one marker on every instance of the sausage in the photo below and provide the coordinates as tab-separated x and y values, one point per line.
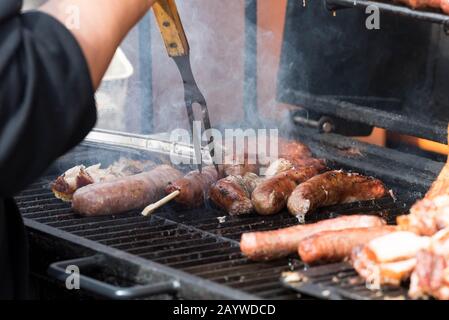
283	164
77	177
337	245
292	149
278	166
123	194
237	164
271	195
233	193
307	162
269	245
194	186
240	169
333	187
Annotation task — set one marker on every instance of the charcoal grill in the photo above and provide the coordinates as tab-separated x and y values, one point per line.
194	253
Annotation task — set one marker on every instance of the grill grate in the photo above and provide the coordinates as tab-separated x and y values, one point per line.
340	281
198	242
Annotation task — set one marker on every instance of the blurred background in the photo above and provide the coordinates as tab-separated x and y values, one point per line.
142	91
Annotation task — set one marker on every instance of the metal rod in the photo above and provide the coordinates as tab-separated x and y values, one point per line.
433	17
145	74
250	64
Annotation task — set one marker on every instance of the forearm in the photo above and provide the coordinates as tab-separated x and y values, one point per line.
102	26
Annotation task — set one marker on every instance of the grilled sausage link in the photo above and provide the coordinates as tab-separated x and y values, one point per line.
123	194
269	245
271	195
291	149
333	187
240	169
233	193
337	245
194	186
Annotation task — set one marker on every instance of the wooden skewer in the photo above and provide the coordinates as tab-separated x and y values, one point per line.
152	207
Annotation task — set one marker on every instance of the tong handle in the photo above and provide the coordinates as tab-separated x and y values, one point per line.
171	28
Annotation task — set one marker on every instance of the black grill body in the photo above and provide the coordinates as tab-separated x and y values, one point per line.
181	253
393	77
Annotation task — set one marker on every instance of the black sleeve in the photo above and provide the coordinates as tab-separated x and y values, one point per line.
47	101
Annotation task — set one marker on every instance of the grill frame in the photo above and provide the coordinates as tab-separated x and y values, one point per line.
221	277
191	287
425	15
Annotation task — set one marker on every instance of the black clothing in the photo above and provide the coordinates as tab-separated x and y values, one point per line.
46	107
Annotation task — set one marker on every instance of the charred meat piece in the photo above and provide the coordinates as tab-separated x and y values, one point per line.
431	275
240	168
233	193
66	184
123	194
269	245
431	214
337	245
271	195
283	164
292	149
278	166
389	259
333	187
194	187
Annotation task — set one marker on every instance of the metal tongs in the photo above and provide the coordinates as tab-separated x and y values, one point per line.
175	40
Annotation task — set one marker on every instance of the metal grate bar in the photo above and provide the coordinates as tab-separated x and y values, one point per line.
122	234
174	257
185	264
189	241
200	242
240	269
142	236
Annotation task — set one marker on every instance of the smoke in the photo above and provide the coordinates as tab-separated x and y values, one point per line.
216	33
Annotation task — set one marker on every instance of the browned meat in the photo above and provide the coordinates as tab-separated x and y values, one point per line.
233	193
431	214
427	216
271	195
291	149
337	245
123	194
66	184
333	187
389	259
268	245
431	274
235	169
443	5
194	186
